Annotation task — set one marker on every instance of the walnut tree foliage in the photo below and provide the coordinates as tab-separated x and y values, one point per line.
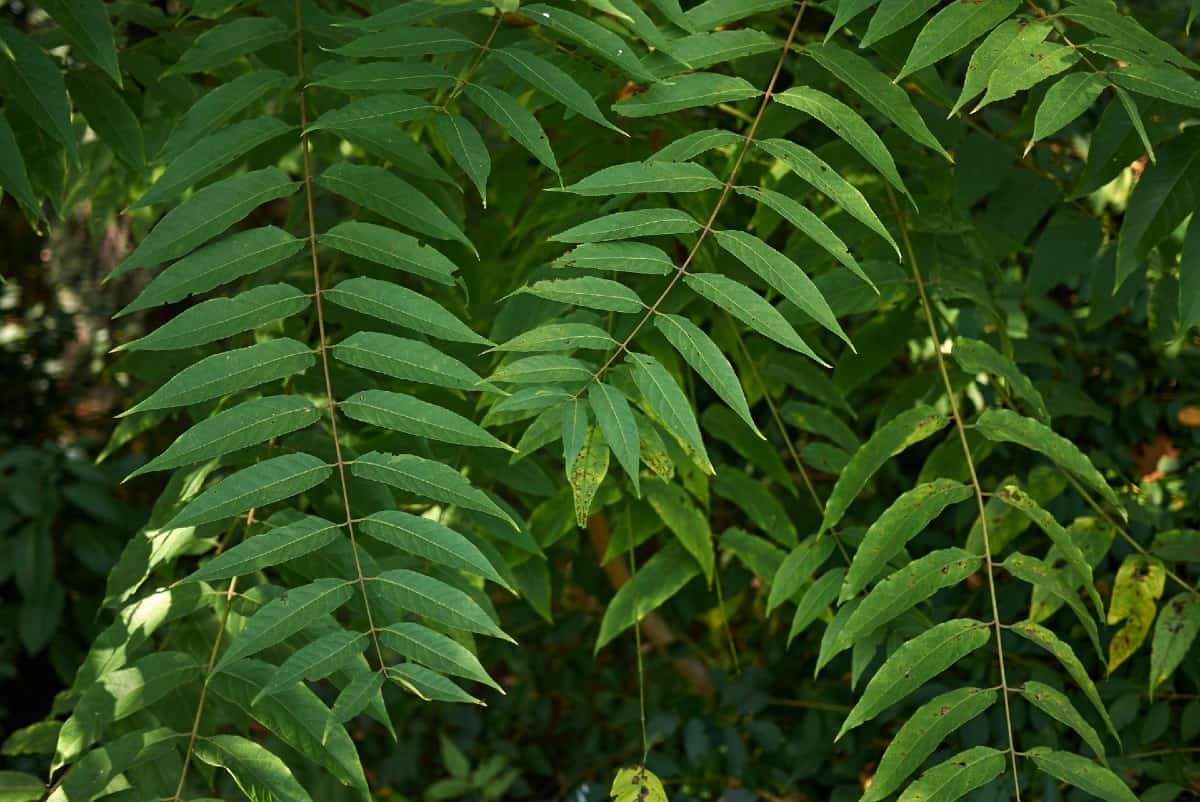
451	281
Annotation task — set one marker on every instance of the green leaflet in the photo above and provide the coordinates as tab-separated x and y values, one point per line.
358	695
429	540
549	79
404	413
976	356
848	125
1071	96
667	401
704	357
401	358
692	145
845	12
952	29
819	421
228	41
904	589
278	620
559	337
316	660
812	226
662	576
759	555
390	248
957	777
797	568
295	715
1062	540
109	116
467	148
266	482
205	214
248	424
904	430
543	369
434	651
1162	199
913	664
760	506
688	524
1164	83
118	695
1034	571
1055	704
210	154
400	305
1066	656
892	16
702	50
390	143
507	112
917	739
33	82
654	449
589	292
596	38
425	477
240	254
810	167
750	308
258	772
615	419
687	91
91	774
86	23
275	546
816	600
441	603
586	466
219	318
1002	425
16	786
377	76
373	111
634	178
623	257
429	685
629	225
1174	632
229	372
877	89
716	13
396	41
1177	545
13	175
781	274
220	105
1025	66
390	196
1081	773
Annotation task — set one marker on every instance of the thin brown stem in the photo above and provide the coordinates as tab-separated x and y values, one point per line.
726	188
952	398
324	351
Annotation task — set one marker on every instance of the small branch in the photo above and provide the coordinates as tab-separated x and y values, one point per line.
966	447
